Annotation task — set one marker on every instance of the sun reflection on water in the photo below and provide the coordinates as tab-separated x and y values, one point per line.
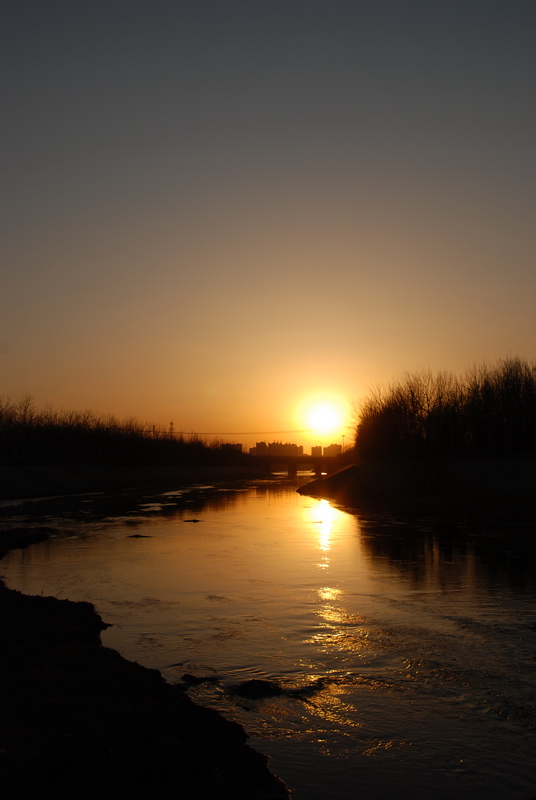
328	593
327	515
323	516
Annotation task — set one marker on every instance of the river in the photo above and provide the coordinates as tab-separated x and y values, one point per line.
406	651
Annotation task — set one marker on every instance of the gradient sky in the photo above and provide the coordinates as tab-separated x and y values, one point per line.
212	210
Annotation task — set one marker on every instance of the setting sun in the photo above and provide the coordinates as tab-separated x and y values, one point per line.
323	414
324	417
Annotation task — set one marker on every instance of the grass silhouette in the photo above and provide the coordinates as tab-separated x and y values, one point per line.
29	433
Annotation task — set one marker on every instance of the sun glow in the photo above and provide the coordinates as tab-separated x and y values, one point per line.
324	418
323	414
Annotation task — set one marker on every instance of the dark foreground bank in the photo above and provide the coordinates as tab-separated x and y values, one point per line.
42	478
80	721
462	489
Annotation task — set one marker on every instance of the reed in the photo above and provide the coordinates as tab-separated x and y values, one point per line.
27	433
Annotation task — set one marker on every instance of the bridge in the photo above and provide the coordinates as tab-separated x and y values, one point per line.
319	464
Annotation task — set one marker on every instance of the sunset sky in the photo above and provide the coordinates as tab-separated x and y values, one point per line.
215	210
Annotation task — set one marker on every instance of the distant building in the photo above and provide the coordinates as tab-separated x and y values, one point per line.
260	449
316	452
275	449
231	446
333	450
288	449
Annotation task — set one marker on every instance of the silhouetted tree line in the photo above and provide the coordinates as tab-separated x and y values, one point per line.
489	412
28	433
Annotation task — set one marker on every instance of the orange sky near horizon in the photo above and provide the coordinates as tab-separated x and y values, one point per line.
212	212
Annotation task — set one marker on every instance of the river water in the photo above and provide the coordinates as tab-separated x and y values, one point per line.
412	645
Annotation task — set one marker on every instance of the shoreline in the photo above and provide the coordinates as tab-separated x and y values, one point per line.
24	480
472	490
80	721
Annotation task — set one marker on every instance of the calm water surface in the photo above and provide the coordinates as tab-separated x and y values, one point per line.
424	637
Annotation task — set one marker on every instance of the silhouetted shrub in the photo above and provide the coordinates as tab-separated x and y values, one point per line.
28	433
491	411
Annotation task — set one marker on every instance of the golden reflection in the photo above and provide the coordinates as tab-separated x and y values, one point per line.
327	517
331	707
331	614
379	747
326	593
341	617
322	516
356	642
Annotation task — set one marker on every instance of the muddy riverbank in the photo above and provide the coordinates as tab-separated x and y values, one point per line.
80	721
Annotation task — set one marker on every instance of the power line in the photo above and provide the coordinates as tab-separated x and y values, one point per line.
258	433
